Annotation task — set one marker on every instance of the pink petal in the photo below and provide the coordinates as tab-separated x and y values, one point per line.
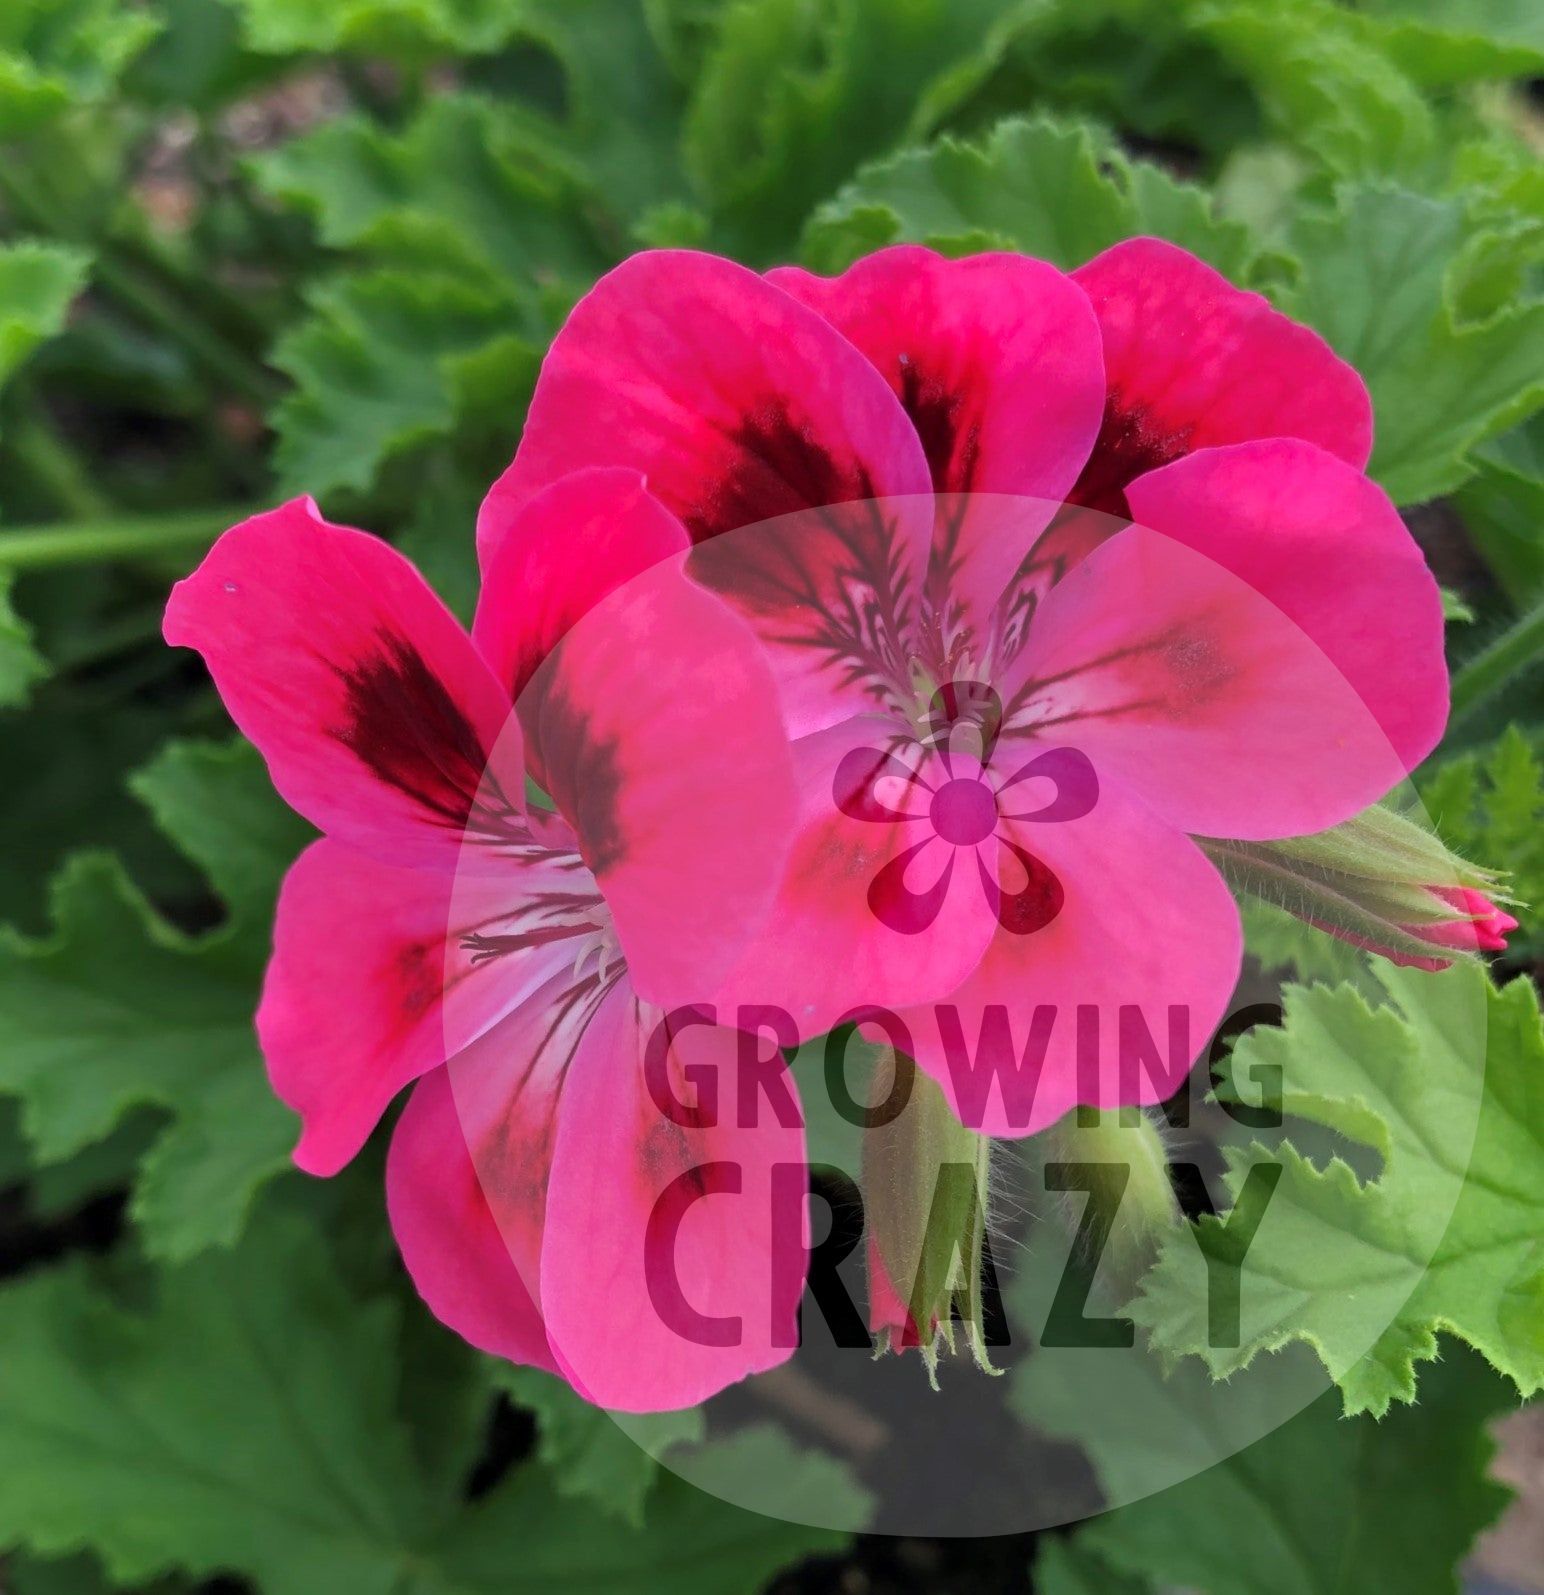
504	1092
997	360
835	597
1329	550
735	402
376	717
459	1260
824	949
1147	938
655	726
728	1235
562	552
1194	362
380	974
1262	657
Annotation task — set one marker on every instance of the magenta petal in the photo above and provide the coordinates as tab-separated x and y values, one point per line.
736	403
1194	362
1145	942
380	974
997	360
377	718
1329	551
1261	658
560	555
674	1253
657	729
505	1092
459	1260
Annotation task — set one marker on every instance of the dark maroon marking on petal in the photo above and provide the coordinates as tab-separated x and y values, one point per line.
951	440
773	467
485	946
1129	444
516	1161
1035	904
579	772
893	903
418	977
405	726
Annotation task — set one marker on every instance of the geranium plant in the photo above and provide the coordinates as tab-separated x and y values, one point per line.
932	746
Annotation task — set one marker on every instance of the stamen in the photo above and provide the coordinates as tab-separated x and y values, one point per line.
602	944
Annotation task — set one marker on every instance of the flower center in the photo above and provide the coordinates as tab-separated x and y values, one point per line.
964	812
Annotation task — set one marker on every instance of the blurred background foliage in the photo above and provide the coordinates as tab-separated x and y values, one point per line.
254	248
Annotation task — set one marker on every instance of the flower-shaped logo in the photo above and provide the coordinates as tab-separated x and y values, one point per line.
958	803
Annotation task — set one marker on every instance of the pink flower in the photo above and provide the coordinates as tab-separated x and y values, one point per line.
439	918
1260	656
1478	926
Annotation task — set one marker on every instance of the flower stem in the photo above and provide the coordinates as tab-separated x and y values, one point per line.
118	537
1518	647
36	443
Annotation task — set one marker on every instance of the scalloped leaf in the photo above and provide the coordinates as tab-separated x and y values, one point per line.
1446	1086
118	1011
1378	283
1057	190
1319	1506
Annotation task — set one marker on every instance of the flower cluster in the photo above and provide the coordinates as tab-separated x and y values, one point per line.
885	640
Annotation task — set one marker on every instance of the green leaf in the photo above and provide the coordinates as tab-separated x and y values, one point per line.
390	360
214	802
1059	191
622	104
609	1461
20	663
462	185
1439	42
1328	87
406	28
761	1463
246	1422
58	54
1281	940
298	1474
1067	1567
793	95
1502	506
691	1544
1447	1087
119	1011
1376	283
1142	68
37	284
1489	807
1318	1507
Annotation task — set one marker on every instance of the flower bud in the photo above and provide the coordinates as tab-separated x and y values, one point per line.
1381	882
1123	1166
924	1196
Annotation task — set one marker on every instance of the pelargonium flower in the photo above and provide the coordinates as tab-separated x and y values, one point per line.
876	470
513	961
